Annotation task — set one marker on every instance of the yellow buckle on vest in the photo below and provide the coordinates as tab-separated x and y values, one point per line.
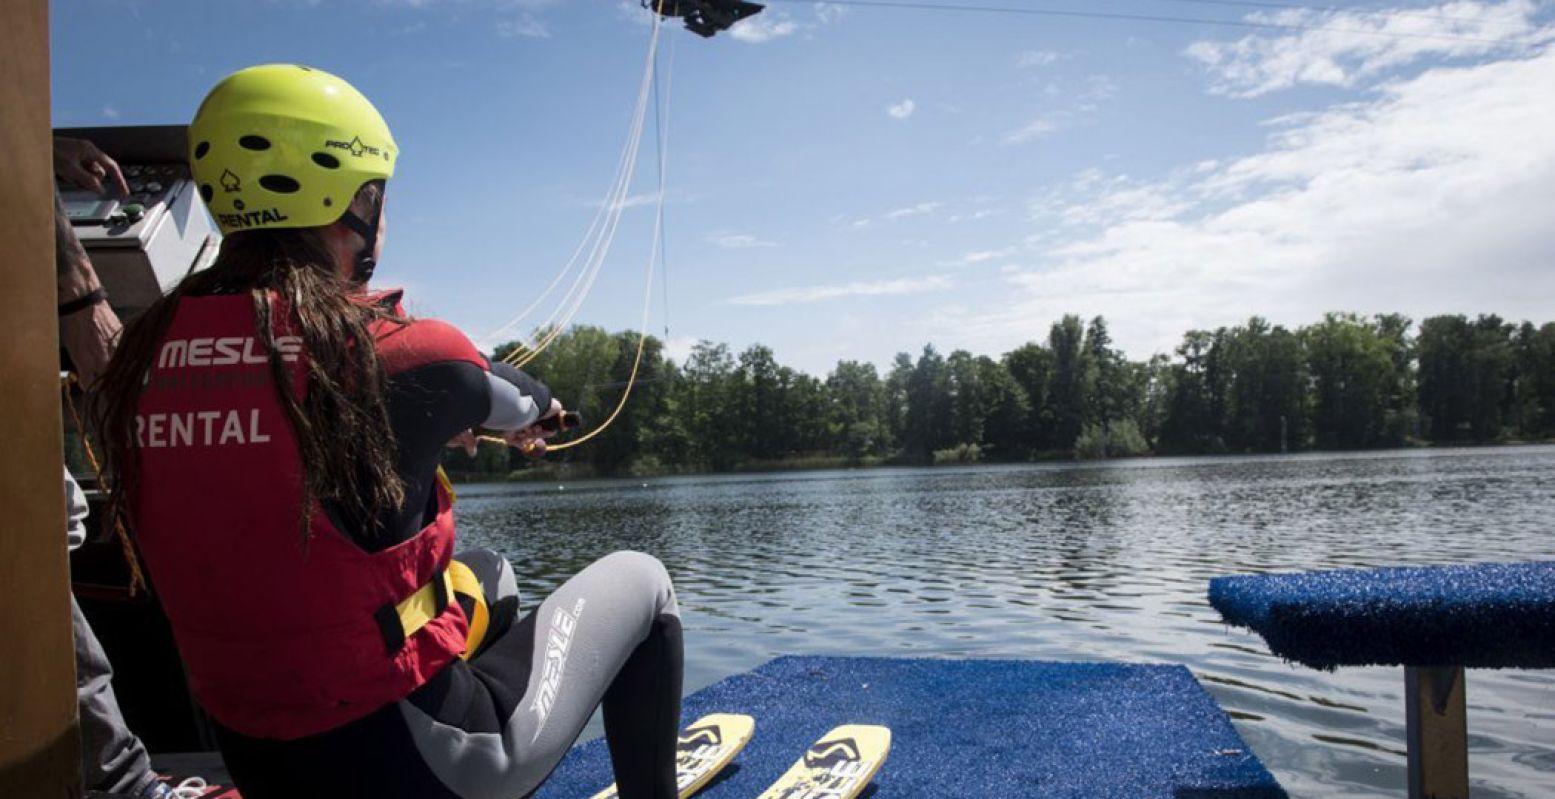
457	583
416	610
466	586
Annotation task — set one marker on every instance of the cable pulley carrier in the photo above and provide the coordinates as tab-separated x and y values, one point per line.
705	17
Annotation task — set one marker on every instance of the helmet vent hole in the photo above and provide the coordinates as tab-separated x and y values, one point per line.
326	160
280	184
328	202
207	192
201	149
252	142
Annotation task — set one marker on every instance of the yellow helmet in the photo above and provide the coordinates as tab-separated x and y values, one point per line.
286	146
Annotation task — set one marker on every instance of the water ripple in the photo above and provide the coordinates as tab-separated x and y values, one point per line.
1075	562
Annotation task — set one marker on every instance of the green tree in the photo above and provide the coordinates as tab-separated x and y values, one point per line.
629	435
1344	382
1156	387
1493	373
1466	376
1400	424
963	382
857	409
807	410
1071	382
1190	423
1104	377
1445	346
705	397
1535	391
928	406
1267	388
764	412
896	400
1005	410
1031	366
1350	366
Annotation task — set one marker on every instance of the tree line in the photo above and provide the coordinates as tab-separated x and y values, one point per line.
1346	382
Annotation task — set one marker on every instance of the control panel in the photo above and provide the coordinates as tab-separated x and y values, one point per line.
143	243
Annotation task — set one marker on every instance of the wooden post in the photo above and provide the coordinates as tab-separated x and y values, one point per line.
39	737
1437	731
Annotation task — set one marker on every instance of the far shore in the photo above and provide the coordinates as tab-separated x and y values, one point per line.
558	472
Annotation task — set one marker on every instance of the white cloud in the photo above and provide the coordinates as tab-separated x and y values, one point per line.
1039	58
521	18
1096	90
794	296
1091	93
527	5
899	213
1037	128
1432	197
981	256
912	210
1352	46
738	241
1097	199
527	26
902	110
973	216
763	27
828	13
110	112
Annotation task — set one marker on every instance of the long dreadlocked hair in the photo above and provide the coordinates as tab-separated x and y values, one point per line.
341	425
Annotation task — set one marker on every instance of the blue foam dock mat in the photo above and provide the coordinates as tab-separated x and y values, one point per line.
976	728
1493	615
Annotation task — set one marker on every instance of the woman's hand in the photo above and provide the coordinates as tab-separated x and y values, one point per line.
531	440
465	441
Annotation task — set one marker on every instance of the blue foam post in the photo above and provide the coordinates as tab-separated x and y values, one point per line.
1499	615
977	728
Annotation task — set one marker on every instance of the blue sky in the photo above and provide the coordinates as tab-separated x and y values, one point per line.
851	182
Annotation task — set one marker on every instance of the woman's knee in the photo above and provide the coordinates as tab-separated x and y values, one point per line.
644	574
493	571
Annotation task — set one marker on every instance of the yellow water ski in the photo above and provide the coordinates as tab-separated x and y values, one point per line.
704	749
838	766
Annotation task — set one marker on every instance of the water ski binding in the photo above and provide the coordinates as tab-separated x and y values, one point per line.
838	766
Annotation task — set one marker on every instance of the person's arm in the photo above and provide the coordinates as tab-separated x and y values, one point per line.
89	329
80	163
517	400
438	388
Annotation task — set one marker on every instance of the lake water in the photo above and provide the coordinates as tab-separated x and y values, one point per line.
1098	562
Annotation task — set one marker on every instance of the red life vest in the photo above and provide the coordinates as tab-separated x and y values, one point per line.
280	640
